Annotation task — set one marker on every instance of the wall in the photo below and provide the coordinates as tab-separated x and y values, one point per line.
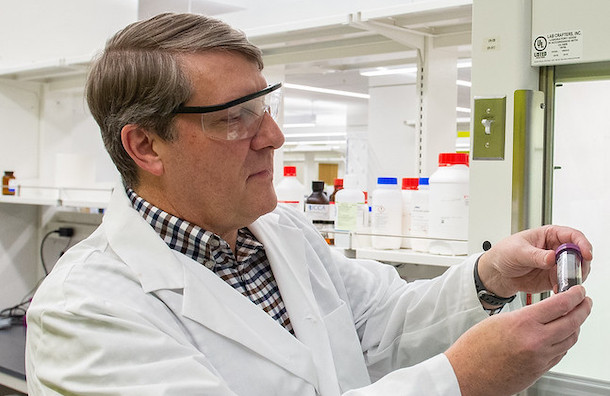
46	31
439	102
497	70
68	128
19	106
392	136
18	252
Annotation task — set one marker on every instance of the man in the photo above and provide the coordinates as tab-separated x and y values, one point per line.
196	284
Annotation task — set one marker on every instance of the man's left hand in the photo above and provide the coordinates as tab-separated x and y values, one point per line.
525	261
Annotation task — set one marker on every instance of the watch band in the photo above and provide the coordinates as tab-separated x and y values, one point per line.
485	295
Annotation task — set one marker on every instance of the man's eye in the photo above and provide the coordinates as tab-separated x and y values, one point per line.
222	121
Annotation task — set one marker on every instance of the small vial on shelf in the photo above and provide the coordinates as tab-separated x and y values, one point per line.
569	270
9	183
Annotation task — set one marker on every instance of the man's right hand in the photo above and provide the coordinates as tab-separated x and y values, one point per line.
507	353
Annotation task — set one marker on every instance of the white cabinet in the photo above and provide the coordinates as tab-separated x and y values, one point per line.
51	141
44	56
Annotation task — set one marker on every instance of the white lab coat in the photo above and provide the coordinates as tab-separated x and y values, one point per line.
122	314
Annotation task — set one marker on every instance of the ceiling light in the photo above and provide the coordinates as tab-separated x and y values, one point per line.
463	109
464	83
311	135
382	71
299	125
326	91
464	64
315	142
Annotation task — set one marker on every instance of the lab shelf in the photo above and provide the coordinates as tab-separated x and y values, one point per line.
81	197
46	71
29	200
408	256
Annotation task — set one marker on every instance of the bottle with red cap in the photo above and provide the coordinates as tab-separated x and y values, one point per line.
338	185
409	186
449	205
289	190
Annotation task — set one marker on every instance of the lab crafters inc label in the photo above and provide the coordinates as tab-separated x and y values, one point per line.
557	47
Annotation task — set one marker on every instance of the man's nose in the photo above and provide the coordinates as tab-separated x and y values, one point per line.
269	134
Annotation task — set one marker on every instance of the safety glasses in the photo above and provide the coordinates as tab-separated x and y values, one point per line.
240	118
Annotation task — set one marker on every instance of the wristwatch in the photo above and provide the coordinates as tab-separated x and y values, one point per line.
487	296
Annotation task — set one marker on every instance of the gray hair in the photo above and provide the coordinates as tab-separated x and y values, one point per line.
138	78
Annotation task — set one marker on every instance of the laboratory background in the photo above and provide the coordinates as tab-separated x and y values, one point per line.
498	107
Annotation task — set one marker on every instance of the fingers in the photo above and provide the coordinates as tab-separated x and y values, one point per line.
561	317
540	258
557	305
557	235
568	326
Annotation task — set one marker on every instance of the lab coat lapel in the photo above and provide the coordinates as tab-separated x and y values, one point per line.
139	246
207	299
285	247
211	302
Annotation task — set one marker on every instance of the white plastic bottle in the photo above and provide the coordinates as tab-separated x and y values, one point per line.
289	190
350	210
449	205
409	186
387	214
420	215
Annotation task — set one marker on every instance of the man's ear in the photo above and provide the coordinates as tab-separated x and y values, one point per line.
140	145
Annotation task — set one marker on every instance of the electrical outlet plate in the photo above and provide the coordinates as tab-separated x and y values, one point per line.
489	128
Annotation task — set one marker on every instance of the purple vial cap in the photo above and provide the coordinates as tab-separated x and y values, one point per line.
568	246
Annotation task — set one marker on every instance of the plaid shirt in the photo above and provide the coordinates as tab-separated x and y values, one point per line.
248	270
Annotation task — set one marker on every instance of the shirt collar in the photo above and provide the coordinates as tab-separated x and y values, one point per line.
202	246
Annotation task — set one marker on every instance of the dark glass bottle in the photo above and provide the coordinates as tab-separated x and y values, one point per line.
317	209
338	186
8	183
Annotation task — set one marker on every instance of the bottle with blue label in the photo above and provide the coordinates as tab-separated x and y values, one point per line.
9	183
386	224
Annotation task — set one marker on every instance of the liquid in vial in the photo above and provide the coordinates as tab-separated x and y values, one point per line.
569	271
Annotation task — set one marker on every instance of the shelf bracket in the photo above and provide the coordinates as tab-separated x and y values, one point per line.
407	37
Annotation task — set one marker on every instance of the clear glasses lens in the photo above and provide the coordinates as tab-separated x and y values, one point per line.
241	121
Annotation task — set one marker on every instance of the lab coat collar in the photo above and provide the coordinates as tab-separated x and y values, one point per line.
152	260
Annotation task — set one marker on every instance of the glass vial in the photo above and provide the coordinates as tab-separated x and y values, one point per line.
9	183
569	271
